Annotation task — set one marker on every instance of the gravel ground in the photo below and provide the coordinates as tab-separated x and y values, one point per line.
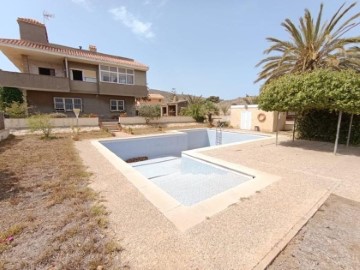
330	240
244	233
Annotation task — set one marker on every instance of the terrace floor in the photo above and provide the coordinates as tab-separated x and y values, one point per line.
246	235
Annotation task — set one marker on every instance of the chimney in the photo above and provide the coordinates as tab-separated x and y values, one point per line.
92	48
32	30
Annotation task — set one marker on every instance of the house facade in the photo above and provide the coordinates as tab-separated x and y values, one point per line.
57	78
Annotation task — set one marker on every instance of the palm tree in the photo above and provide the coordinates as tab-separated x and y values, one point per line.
313	45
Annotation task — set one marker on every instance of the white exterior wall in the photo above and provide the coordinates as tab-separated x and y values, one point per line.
19	123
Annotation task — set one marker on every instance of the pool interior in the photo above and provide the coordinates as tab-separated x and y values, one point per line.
189	180
186	179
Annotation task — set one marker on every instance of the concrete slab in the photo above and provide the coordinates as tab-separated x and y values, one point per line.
246	233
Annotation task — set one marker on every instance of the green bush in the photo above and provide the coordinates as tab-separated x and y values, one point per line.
57	115
16	110
149	112
8	95
40	122
321	125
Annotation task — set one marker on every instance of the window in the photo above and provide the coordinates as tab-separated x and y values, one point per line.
117	105
67	104
47	71
116	75
77	75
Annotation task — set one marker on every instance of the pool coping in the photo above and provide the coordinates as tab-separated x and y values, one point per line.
185	217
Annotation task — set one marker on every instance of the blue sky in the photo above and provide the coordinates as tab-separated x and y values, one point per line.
200	47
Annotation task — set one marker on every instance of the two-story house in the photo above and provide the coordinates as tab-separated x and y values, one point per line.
57	78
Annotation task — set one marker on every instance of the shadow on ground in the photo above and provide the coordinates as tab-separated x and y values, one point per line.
322	147
9	143
9	184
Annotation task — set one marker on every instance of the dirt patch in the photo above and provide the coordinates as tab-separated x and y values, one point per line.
330	240
50	219
136	159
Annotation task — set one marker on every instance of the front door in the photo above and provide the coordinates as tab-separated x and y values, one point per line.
245	122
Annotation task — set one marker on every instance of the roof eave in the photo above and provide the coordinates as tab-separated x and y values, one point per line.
137	67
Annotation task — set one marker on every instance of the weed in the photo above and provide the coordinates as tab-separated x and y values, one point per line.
68	234
98	210
10	233
2	265
112	246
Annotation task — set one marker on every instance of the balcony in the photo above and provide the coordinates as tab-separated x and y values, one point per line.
122	90
34	82
84	87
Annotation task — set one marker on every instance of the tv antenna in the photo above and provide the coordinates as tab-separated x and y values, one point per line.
47	16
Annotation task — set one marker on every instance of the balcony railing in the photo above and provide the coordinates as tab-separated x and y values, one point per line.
60	84
123	90
34	81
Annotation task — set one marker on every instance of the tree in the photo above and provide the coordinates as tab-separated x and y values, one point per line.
210	109
200	109
149	112
224	108
323	89
214	99
313	45
320	89
8	95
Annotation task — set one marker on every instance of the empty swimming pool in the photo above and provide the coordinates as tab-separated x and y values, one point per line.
189	180
185	178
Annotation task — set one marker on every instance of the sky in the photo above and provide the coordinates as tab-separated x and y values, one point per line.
199	47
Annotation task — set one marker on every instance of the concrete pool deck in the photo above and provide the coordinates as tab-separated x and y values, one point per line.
245	235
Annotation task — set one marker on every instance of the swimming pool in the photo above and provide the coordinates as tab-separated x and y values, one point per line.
172	144
189	180
184	184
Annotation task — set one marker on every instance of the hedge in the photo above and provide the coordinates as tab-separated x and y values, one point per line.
320	125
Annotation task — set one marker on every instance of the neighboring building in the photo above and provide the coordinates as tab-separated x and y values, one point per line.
173	108
152	99
56	78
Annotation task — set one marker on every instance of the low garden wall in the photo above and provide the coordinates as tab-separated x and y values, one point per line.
137	120
4	133
2	123
19	123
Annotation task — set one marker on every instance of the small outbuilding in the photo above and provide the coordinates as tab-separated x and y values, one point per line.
250	117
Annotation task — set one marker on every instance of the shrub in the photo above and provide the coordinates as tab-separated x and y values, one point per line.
16	110
8	95
321	125
57	115
41	122
149	112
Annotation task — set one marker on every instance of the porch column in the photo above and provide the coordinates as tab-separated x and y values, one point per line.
67	75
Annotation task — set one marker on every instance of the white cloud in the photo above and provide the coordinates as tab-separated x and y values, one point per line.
142	29
85	3
156	3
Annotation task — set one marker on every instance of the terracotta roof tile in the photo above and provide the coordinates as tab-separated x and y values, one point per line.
156	96
67	51
31	21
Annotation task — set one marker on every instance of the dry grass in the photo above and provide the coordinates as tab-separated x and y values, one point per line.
56	221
